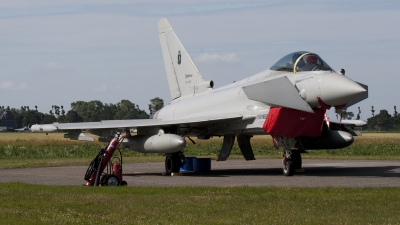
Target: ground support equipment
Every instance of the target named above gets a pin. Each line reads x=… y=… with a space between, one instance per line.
x=112 y=176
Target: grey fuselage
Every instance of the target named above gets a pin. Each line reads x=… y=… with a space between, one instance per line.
x=232 y=99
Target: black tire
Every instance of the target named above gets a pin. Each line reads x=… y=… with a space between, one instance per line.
x=288 y=168
x=296 y=158
x=172 y=163
x=112 y=181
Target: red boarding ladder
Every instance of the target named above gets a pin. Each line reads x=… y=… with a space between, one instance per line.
x=113 y=176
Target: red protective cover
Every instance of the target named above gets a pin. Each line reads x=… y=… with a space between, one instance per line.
x=294 y=123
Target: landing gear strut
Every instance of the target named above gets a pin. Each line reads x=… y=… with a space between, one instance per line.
x=174 y=162
x=291 y=158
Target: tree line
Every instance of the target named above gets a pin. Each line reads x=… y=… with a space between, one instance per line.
x=82 y=111
x=383 y=121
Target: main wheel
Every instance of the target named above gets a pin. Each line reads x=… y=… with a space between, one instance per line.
x=288 y=167
x=296 y=158
x=172 y=163
x=112 y=180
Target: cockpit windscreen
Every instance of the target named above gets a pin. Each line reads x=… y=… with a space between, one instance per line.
x=301 y=61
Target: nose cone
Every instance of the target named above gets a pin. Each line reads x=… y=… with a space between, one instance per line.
x=337 y=89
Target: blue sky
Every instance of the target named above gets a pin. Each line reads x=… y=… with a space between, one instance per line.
x=54 y=52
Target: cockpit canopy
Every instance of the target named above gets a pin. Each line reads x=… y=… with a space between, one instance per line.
x=301 y=61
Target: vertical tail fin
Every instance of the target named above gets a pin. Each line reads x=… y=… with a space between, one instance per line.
x=183 y=76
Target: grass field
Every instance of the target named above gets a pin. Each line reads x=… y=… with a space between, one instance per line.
x=19 y=150
x=39 y=204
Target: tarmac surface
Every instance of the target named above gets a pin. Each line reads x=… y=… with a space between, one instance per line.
x=234 y=172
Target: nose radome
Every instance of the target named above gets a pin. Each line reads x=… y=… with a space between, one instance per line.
x=337 y=89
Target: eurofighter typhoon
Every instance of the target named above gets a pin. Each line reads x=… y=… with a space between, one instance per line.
x=287 y=101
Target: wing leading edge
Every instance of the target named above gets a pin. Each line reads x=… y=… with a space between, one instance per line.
x=133 y=124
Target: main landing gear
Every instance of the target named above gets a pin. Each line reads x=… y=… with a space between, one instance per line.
x=291 y=158
x=174 y=162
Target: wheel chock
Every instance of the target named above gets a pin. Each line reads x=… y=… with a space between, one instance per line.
x=176 y=174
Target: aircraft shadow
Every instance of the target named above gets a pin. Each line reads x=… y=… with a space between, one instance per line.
x=376 y=171
x=379 y=171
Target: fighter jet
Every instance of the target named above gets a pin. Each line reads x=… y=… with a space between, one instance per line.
x=287 y=101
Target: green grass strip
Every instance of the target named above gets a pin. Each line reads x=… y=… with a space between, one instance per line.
x=39 y=204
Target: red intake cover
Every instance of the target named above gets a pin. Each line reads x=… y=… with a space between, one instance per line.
x=294 y=123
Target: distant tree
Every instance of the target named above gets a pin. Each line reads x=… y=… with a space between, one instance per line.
x=89 y=111
x=81 y=108
x=125 y=110
x=41 y=115
x=62 y=111
x=61 y=119
x=73 y=117
x=358 y=114
x=381 y=121
x=155 y=105
x=30 y=117
x=48 y=119
x=18 y=116
x=94 y=110
x=57 y=110
x=396 y=121
x=346 y=115
x=109 y=111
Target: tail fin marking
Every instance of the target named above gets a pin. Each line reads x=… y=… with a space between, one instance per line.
x=183 y=76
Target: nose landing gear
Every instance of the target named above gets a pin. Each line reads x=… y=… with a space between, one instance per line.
x=291 y=158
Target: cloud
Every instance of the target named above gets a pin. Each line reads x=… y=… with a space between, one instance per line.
x=9 y=85
x=216 y=58
x=102 y=87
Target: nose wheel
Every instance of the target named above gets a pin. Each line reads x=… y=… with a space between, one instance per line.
x=291 y=162
x=291 y=158
x=288 y=167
